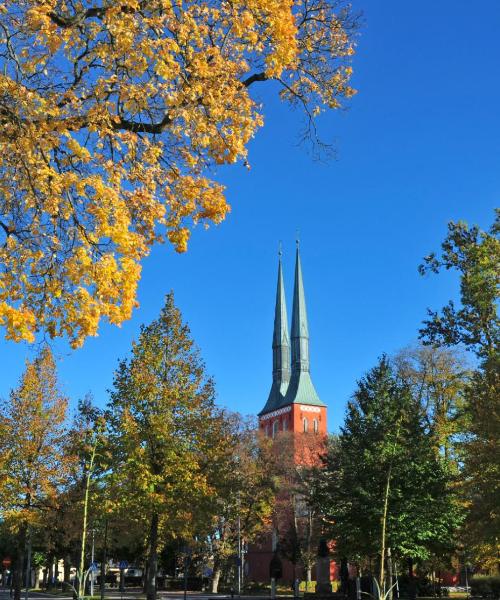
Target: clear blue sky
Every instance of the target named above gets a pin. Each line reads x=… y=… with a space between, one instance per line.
x=419 y=146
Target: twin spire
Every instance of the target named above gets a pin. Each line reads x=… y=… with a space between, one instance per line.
x=291 y=379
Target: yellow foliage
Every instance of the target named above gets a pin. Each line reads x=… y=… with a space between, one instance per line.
x=111 y=115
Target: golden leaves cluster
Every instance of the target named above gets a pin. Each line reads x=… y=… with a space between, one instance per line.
x=34 y=464
x=113 y=116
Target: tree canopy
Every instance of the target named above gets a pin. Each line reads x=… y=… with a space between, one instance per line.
x=475 y=325
x=475 y=255
x=112 y=117
x=383 y=485
x=35 y=463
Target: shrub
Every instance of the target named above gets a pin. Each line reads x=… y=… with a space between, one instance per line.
x=485 y=586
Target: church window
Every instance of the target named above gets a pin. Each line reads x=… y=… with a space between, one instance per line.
x=315 y=425
x=285 y=423
x=275 y=428
x=306 y=425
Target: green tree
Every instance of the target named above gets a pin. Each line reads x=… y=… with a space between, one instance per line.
x=482 y=465
x=383 y=485
x=162 y=421
x=475 y=255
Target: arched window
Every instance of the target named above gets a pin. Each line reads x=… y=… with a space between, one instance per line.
x=315 y=425
x=276 y=426
x=306 y=425
x=285 y=423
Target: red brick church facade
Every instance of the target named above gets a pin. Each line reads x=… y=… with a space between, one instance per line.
x=293 y=410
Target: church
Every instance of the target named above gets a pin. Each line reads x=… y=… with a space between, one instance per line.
x=293 y=408
x=293 y=403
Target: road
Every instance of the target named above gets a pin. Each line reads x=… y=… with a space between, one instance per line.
x=138 y=594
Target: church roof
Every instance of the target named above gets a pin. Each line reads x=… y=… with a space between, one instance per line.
x=281 y=348
x=301 y=390
x=300 y=327
x=275 y=398
x=297 y=388
x=280 y=332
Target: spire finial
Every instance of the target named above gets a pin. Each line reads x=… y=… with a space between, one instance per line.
x=297 y=239
x=280 y=249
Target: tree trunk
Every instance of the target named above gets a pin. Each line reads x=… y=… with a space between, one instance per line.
x=17 y=577
x=412 y=586
x=389 y=574
x=56 y=571
x=145 y=576
x=37 y=577
x=19 y=563
x=152 y=559
x=28 y=560
x=104 y=560
x=215 y=580
x=67 y=568
x=384 y=526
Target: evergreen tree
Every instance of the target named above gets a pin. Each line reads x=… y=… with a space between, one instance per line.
x=383 y=485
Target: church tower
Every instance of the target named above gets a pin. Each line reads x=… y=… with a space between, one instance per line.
x=292 y=406
x=293 y=403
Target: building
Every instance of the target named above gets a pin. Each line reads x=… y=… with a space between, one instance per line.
x=293 y=411
x=293 y=403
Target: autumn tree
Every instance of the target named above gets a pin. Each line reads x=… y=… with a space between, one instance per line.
x=162 y=425
x=437 y=378
x=34 y=463
x=113 y=116
x=240 y=504
x=384 y=486
x=475 y=325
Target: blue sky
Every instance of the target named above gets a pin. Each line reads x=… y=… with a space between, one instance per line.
x=419 y=146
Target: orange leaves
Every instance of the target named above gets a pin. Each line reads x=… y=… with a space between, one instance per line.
x=18 y=322
x=32 y=443
x=111 y=117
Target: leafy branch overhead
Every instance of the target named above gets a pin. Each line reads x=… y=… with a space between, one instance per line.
x=112 y=116
x=475 y=254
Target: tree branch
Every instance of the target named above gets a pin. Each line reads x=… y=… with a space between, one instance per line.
x=253 y=78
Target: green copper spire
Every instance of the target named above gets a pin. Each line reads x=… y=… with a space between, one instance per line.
x=300 y=329
x=281 y=344
x=300 y=389
x=281 y=348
